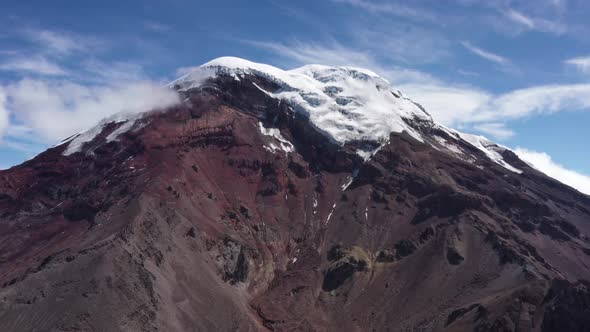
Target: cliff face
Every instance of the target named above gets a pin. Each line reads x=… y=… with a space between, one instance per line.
x=234 y=211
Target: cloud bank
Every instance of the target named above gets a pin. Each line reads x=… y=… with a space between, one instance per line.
x=55 y=110
x=65 y=89
x=543 y=162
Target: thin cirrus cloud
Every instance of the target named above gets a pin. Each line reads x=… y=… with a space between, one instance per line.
x=49 y=49
x=582 y=63
x=520 y=18
x=487 y=55
x=537 y=24
x=404 y=43
x=4 y=120
x=336 y=54
x=61 y=43
x=38 y=65
x=157 y=27
x=391 y=8
x=495 y=129
x=309 y=53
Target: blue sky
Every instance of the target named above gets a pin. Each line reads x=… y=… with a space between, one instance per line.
x=515 y=71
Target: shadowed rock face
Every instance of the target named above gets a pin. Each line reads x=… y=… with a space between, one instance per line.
x=192 y=222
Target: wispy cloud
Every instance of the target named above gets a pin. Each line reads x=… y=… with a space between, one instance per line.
x=495 y=129
x=582 y=63
x=157 y=27
x=544 y=163
x=9 y=52
x=543 y=99
x=335 y=54
x=520 y=18
x=29 y=149
x=60 y=42
x=115 y=71
x=69 y=89
x=538 y=24
x=485 y=54
x=48 y=52
x=55 y=110
x=404 y=43
x=4 y=119
x=391 y=8
x=469 y=106
x=450 y=103
x=33 y=65
x=308 y=53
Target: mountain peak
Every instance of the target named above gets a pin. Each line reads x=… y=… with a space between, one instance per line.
x=348 y=104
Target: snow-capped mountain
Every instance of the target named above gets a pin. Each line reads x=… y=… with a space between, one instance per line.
x=315 y=199
x=347 y=104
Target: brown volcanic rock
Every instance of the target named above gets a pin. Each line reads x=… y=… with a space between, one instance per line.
x=190 y=223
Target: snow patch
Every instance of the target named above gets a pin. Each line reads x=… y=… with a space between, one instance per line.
x=282 y=143
x=449 y=146
x=76 y=142
x=331 y=212
x=491 y=149
x=347 y=183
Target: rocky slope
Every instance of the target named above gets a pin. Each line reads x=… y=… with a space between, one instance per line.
x=319 y=199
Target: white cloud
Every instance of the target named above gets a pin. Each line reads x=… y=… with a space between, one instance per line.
x=396 y=9
x=582 y=63
x=309 y=53
x=29 y=149
x=495 y=129
x=545 y=164
x=56 y=42
x=538 y=24
x=337 y=55
x=485 y=54
x=56 y=102
x=61 y=43
x=462 y=105
x=520 y=18
x=55 y=110
x=4 y=119
x=544 y=99
x=157 y=27
x=451 y=105
x=404 y=43
x=36 y=65
x=113 y=71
